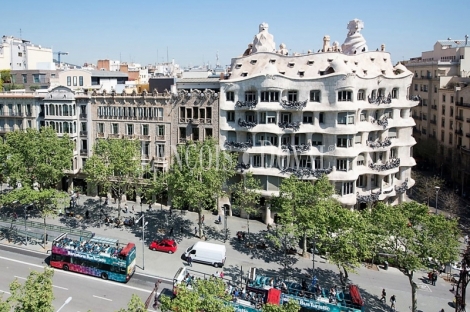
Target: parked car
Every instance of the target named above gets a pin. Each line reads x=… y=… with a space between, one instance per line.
x=165 y=245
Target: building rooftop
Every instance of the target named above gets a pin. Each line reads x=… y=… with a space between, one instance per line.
x=107 y=74
x=454 y=43
x=197 y=80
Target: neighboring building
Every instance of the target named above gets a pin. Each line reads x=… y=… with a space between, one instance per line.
x=32 y=79
x=344 y=112
x=440 y=77
x=18 y=111
x=19 y=54
x=100 y=80
x=108 y=65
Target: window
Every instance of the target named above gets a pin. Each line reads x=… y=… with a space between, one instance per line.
x=363 y=116
x=208 y=132
x=442 y=136
x=145 y=129
x=443 y=98
x=425 y=88
x=250 y=96
x=230 y=96
x=344 y=96
x=392 y=133
x=361 y=181
x=230 y=116
x=69 y=81
x=80 y=81
x=159 y=113
x=315 y=96
x=388 y=113
x=308 y=118
x=443 y=122
x=270 y=96
x=36 y=78
x=74 y=80
x=358 y=138
x=114 y=128
x=25 y=78
x=130 y=129
x=395 y=93
x=321 y=117
x=348 y=188
x=286 y=117
x=160 y=150
x=443 y=110
x=317 y=139
x=292 y=96
x=452 y=99
x=346 y=118
x=360 y=160
x=257 y=161
x=343 y=164
x=450 y=138
x=100 y=127
x=435 y=89
x=161 y=130
x=343 y=141
x=451 y=125
x=416 y=87
x=451 y=112
x=361 y=95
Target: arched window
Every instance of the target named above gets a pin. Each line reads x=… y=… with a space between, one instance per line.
x=51 y=110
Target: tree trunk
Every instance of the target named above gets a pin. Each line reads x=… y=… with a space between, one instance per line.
x=414 y=300
x=199 y=214
x=248 y=228
x=119 y=207
x=304 y=245
x=346 y=276
x=45 y=233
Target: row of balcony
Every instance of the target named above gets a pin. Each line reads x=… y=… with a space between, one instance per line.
x=196 y=120
x=15 y=114
x=129 y=136
x=159 y=118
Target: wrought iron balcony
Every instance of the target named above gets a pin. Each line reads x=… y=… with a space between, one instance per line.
x=247 y=104
x=433 y=121
x=415 y=98
x=303 y=173
x=83 y=152
x=434 y=107
x=459 y=132
x=380 y=100
x=382 y=122
x=378 y=144
x=459 y=117
x=238 y=145
x=83 y=133
x=295 y=126
x=246 y=124
x=100 y=134
x=293 y=104
x=302 y=148
x=83 y=116
x=402 y=189
x=242 y=166
x=392 y=163
x=373 y=197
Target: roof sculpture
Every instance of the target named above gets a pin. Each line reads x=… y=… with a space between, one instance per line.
x=355 y=42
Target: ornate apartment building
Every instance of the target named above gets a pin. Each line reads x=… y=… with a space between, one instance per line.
x=343 y=111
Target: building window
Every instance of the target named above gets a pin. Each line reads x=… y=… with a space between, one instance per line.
x=361 y=181
x=308 y=118
x=80 y=81
x=315 y=96
x=145 y=129
x=363 y=116
x=450 y=138
x=360 y=160
x=452 y=99
x=416 y=87
x=442 y=136
x=69 y=81
x=361 y=95
x=348 y=188
x=208 y=133
x=344 y=96
x=451 y=112
x=36 y=78
x=317 y=139
x=25 y=78
x=395 y=93
x=159 y=113
x=160 y=150
x=443 y=110
x=230 y=116
x=75 y=80
x=160 y=130
x=270 y=96
x=346 y=118
x=292 y=96
x=229 y=96
x=343 y=141
x=444 y=98
x=250 y=96
x=100 y=127
x=130 y=129
x=321 y=117
x=435 y=89
x=343 y=164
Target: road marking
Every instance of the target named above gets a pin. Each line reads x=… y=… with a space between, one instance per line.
x=102 y=298
x=23 y=278
x=85 y=276
x=5 y=292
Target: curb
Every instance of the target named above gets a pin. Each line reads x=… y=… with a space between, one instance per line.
x=12 y=245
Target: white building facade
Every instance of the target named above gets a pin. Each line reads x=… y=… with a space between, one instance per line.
x=344 y=114
x=19 y=54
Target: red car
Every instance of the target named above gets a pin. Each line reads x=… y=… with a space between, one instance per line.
x=165 y=245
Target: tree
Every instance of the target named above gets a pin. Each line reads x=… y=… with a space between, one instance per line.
x=35 y=295
x=157 y=185
x=115 y=165
x=246 y=195
x=290 y=306
x=5 y=77
x=426 y=185
x=301 y=203
x=134 y=305
x=198 y=174
x=412 y=236
x=204 y=295
x=37 y=158
x=47 y=201
x=450 y=202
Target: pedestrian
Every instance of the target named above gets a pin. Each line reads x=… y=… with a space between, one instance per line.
x=434 y=277
x=195 y=231
x=221 y=274
x=150 y=206
x=220 y=219
x=393 y=300
x=384 y=296
x=106 y=201
x=125 y=208
x=171 y=231
x=189 y=260
x=133 y=210
x=466 y=239
x=202 y=219
x=171 y=210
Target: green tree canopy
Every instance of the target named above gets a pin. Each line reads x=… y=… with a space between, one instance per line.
x=116 y=166
x=134 y=305
x=412 y=236
x=36 y=158
x=290 y=306
x=198 y=174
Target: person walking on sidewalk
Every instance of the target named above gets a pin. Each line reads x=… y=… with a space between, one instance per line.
x=195 y=231
x=434 y=277
x=133 y=210
x=393 y=300
x=171 y=232
x=189 y=260
x=384 y=296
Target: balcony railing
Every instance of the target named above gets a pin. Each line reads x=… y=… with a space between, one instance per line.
x=238 y=145
x=182 y=140
x=246 y=124
x=392 y=163
x=467 y=135
x=402 y=189
x=462 y=104
x=144 y=137
x=373 y=197
x=459 y=132
x=459 y=117
x=284 y=125
x=380 y=99
x=378 y=144
x=303 y=173
x=433 y=121
x=468 y=119
x=160 y=138
x=83 y=116
x=11 y=129
x=242 y=167
x=298 y=105
x=130 y=136
x=415 y=98
x=83 y=133
x=302 y=148
x=100 y=135
x=248 y=104
x=382 y=122
x=434 y=107
x=83 y=152
x=114 y=136
x=145 y=156
x=160 y=159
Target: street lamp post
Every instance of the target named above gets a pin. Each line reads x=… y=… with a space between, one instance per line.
x=25 y=211
x=437 y=192
x=226 y=209
x=65 y=303
x=313 y=256
x=143 y=239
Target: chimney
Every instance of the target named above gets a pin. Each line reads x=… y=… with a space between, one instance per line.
x=222 y=75
x=326 y=43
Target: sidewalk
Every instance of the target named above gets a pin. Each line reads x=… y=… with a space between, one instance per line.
x=239 y=257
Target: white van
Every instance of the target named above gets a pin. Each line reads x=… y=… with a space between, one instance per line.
x=207 y=253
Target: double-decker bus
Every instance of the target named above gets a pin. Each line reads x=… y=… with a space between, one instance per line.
x=98 y=256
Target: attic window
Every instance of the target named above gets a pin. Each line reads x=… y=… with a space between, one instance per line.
x=282 y=73
x=290 y=64
x=244 y=74
x=385 y=59
x=310 y=62
x=253 y=62
x=353 y=71
x=383 y=72
x=355 y=63
x=372 y=59
x=365 y=72
x=330 y=60
x=272 y=61
x=301 y=73
x=345 y=61
x=238 y=66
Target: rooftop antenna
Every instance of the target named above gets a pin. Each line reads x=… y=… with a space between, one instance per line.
x=21 y=34
x=466 y=39
x=217 y=59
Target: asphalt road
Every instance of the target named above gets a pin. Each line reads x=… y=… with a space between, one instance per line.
x=88 y=293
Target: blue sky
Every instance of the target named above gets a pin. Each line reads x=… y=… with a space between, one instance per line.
x=193 y=31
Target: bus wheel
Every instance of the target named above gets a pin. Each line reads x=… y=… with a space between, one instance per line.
x=65 y=267
x=104 y=276
x=216 y=265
